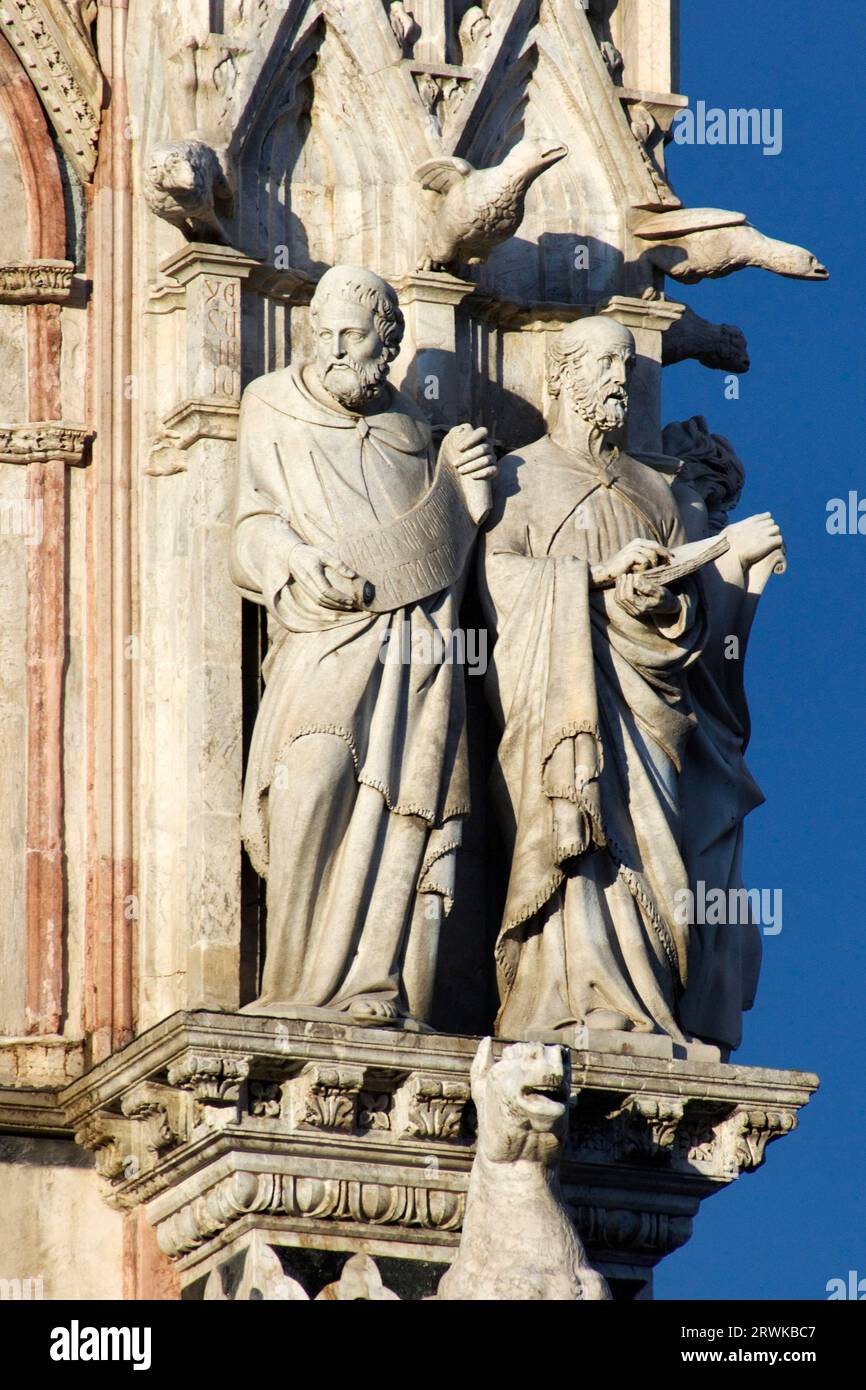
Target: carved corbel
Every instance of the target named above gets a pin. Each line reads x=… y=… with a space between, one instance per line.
x=162 y=1112
x=217 y=1085
x=650 y=1124
x=426 y=1107
x=325 y=1097
x=753 y=1130
x=111 y=1138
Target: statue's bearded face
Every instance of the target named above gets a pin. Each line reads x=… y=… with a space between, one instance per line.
x=351 y=359
x=596 y=385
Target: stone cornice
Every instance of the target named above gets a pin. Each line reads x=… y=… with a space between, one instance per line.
x=44 y=441
x=208 y=1117
x=272 y=1040
x=64 y=71
x=33 y=1071
x=550 y=316
x=35 y=282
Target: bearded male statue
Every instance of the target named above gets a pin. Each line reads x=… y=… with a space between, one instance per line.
x=592 y=590
x=352 y=532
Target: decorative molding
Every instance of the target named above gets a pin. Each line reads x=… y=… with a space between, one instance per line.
x=316 y=1131
x=326 y=1199
x=35 y=282
x=44 y=441
x=325 y=1097
x=754 y=1130
x=427 y=1107
x=432 y=287
x=63 y=68
x=657 y=315
x=551 y=316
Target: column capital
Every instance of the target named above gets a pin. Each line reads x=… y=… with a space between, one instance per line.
x=44 y=441
x=35 y=281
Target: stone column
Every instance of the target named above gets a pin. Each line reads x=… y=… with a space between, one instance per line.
x=202 y=429
x=47 y=448
x=428 y=362
x=647 y=34
x=436 y=21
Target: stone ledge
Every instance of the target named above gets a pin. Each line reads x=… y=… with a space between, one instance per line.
x=216 y=1121
x=33 y=1072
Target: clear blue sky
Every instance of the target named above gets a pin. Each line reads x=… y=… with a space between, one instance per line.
x=798 y=425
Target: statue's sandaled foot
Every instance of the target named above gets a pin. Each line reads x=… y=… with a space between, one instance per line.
x=367 y=1009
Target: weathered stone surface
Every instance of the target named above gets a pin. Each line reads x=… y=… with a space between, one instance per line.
x=519 y=1242
x=140 y=294
x=221 y=1124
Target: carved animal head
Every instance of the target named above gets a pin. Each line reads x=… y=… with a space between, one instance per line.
x=522 y=1101
x=187 y=171
x=531 y=157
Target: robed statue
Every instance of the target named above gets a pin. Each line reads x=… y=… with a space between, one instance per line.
x=355 y=533
x=594 y=593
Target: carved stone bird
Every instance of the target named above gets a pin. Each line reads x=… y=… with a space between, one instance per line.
x=720 y=346
x=184 y=183
x=692 y=244
x=477 y=209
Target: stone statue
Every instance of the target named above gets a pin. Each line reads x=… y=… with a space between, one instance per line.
x=355 y=537
x=589 y=586
x=519 y=1242
x=717 y=790
x=693 y=244
x=185 y=184
x=475 y=210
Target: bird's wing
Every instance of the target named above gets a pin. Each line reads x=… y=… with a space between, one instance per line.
x=662 y=226
x=441 y=174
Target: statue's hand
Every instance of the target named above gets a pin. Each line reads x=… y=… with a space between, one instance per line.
x=326 y=581
x=754 y=538
x=469 y=452
x=640 y=596
x=637 y=555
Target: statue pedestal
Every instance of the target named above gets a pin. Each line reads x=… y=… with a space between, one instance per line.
x=265 y=1151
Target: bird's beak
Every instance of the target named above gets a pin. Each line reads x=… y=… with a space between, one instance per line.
x=552 y=154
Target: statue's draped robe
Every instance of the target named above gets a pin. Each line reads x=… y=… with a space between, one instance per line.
x=717 y=792
x=595 y=725
x=357 y=779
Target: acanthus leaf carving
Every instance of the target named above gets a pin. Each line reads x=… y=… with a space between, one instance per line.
x=325 y=1097
x=756 y=1128
x=44 y=441
x=429 y=1108
x=35 y=282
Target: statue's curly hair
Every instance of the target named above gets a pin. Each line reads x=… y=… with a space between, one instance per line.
x=377 y=296
x=558 y=358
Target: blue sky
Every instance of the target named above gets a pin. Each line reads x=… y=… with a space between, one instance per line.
x=798 y=426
